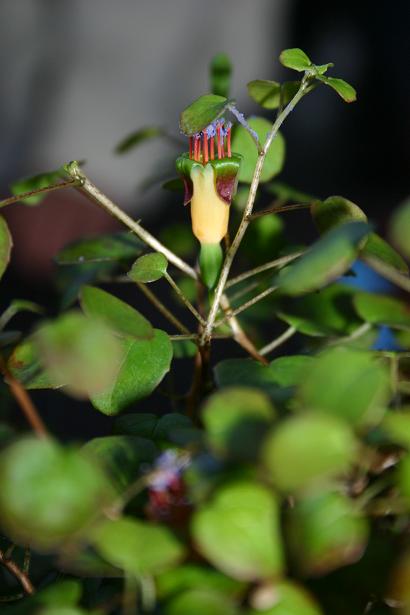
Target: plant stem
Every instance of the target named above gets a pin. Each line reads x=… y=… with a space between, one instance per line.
x=278 y=262
x=19 y=197
x=230 y=255
x=278 y=341
x=388 y=272
x=239 y=334
x=184 y=299
x=24 y=401
x=161 y=308
x=278 y=209
x=84 y=185
x=247 y=304
x=19 y=574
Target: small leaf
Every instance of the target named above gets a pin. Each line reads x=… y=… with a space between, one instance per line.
x=6 y=243
x=344 y=89
x=347 y=383
x=321 y=69
x=69 y=492
x=201 y=602
x=265 y=93
x=36 y=182
x=220 y=74
x=236 y=421
x=296 y=59
x=26 y=366
x=152 y=426
x=193 y=576
x=117 y=315
x=149 y=268
x=325 y=261
x=137 y=547
x=139 y=136
x=378 y=248
x=243 y=144
x=400 y=228
x=326 y=531
x=306 y=449
x=396 y=425
x=382 y=310
x=238 y=531
x=202 y=112
x=287 y=598
x=114 y=247
x=335 y=210
x=143 y=365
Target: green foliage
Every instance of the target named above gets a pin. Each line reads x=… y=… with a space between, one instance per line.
x=114 y=247
x=220 y=74
x=287 y=597
x=6 y=244
x=149 y=268
x=202 y=112
x=295 y=59
x=36 y=183
x=400 y=228
x=137 y=138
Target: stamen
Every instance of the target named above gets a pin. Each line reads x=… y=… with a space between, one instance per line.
x=205 y=147
x=212 y=148
x=218 y=136
x=196 y=148
x=190 y=147
x=228 y=142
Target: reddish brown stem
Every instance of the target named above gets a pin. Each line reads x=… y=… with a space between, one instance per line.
x=19 y=574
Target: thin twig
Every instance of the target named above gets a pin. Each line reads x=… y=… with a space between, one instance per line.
x=163 y=309
x=278 y=209
x=17 y=572
x=281 y=339
x=238 y=333
x=24 y=401
x=184 y=299
x=246 y=305
x=356 y=334
x=230 y=255
x=388 y=272
x=278 y=262
x=24 y=195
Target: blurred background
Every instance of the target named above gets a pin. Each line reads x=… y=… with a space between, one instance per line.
x=76 y=77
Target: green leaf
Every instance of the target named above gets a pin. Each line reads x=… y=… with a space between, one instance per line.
x=143 y=365
x=326 y=531
x=79 y=351
x=238 y=531
x=201 y=602
x=382 y=310
x=6 y=243
x=26 y=366
x=139 y=136
x=137 y=547
x=243 y=144
x=149 y=268
x=325 y=261
x=335 y=210
x=47 y=493
x=378 y=248
x=403 y=477
x=192 y=576
x=236 y=421
x=287 y=598
x=184 y=349
x=296 y=59
x=344 y=89
x=321 y=69
x=286 y=193
x=202 y=112
x=265 y=93
x=307 y=449
x=220 y=74
x=121 y=457
x=396 y=425
x=114 y=247
x=347 y=383
x=16 y=306
x=36 y=182
x=400 y=228
x=117 y=315
x=58 y=598
x=151 y=426
x=179 y=238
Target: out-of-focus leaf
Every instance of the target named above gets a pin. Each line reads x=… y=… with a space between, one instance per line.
x=174 y=185
x=382 y=310
x=192 y=576
x=179 y=239
x=296 y=59
x=220 y=71
x=25 y=365
x=335 y=210
x=79 y=351
x=400 y=228
x=202 y=112
x=121 y=246
x=378 y=248
x=138 y=137
x=344 y=89
x=47 y=493
x=396 y=425
x=307 y=449
x=16 y=306
x=238 y=531
x=136 y=546
x=143 y=365
x=286 y=193
x=265 y=93
x=236 y=420
x=151 y=426
x=287 y=598
x=117 y=315
x=36 y=182
x=184 y=349
x=347 y=383
x=201 y=602
x=243 y=144
x=6 y=243
x=60 y=598
x=149 y=268
x=326 y=531
x=325 y=261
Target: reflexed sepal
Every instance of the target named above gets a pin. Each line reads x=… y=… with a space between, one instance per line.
x=210 y=263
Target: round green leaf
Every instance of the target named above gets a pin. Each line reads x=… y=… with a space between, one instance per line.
x=347 y=383
x=296 y=59
x=136 y=546
x=243 y=144
x=382 y=310
x=335 y=210
x=149 y=268
x=117 y=315
x=344 y=89
x=396 y=425
x=37 y=182
x=265 y=93
x=47 y=494
x=325 y=261
x=287 y=598
x=6 y=244
x=25 y=365
x=193 y=576
x=236 y=420
x=202 y=112
x=142 y=366
x=305 y=449
x=201 y=602
x=400 y=228
x=326 y=531
x=238 y=531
